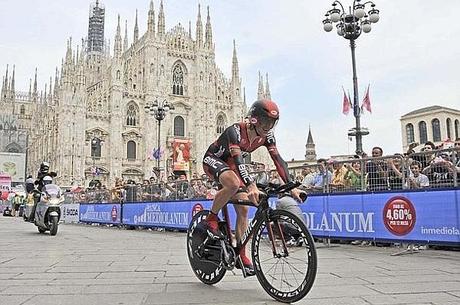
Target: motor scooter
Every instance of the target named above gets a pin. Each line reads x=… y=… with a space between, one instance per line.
x=48 y=211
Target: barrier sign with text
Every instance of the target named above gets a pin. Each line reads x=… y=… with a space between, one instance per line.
x=70 y=213
x=101 y=213
x=417 y=216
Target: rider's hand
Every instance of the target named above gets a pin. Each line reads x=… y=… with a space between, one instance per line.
x=295 y=193
x=253 y=193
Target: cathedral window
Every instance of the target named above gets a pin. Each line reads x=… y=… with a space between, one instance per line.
x=22 y=111
x=179 y=126
x=118 y=74
x=96 y=148
x=178 y=80
x=220 y=124
x=132 y=114
x=131 y=150
x=152 y=68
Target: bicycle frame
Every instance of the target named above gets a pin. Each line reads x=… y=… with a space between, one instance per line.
x=262 y=215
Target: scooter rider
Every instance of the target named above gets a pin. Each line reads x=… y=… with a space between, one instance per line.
x=44 y=176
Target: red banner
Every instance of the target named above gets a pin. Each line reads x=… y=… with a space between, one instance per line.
x=181 y=154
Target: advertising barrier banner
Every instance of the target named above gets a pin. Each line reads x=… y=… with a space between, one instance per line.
x=101 y=213
x=416 y=216
x=428 y=216
x=70 y=213
x=170 y=214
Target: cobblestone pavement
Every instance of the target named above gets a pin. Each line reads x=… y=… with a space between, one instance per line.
x=105 y=265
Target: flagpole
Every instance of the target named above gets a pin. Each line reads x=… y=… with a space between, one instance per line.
x=356 y=110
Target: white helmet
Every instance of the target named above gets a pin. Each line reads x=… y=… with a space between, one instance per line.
x=47 y=180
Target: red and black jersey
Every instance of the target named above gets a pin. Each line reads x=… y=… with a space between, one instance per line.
x=236 y=136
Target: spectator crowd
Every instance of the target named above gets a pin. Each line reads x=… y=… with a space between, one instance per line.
x=430 y=168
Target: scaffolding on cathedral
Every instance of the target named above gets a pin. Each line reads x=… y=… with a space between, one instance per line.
x=96 y=28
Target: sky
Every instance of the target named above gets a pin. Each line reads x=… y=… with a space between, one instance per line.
x=410 y=59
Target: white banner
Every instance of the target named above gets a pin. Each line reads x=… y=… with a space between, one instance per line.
x=14 y=165
x=70 y=213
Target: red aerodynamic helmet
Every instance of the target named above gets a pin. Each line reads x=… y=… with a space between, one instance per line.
x=264 y=112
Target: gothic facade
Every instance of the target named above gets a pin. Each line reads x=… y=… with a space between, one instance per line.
x=92 y=123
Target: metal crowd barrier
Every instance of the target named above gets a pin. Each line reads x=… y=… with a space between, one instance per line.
x=396 y=172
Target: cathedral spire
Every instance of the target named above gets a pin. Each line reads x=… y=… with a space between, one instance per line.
x=30 y=88
x=267 y=89
x=5 y=87
x=310 y=152
x=35 y=85
x=235 y=67
x=208 y=35
x=12 y=93
x=117 y=46
x=151 y=20
x=260 y=90
x=161 y=20
x=189 y=29
x=125 y=41
x=199 y=28
x=50 y=94
x=68 y=55
x=136 y=30
x=56 y=82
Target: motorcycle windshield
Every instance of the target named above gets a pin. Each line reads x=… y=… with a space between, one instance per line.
x=52 y=190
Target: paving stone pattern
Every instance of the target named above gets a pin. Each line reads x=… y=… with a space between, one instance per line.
x=98 y=265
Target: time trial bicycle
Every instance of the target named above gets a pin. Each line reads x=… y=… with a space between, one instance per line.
x=282 y=250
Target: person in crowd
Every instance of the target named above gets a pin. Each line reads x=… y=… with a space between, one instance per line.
x=260 y=175
x=274 y=178
x=308 y=174
x=182 y=187
x=199 y=189
x=353 y=175
x=376 y=170
x=322 y=178
x=339 y=172
x=416 y=178
x=441 y=170
x=426 y=154
x=396 y=172
x=211 y=190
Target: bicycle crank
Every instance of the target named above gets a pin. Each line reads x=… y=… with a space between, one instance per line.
x=227 y=255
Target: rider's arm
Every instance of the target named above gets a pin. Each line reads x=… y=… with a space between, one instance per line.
x=234 y=138
x=280 y=164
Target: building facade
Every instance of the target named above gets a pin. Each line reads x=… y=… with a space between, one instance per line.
x=435 y=123
x=92 y=124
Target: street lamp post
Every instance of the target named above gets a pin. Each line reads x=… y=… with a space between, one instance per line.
x=350 y=25
x=158 y=110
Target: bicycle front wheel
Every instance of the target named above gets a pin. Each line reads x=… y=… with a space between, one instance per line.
x=286 y=270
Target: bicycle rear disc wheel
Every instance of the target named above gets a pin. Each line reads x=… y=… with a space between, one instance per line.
x=285 y=277
x=208 y=268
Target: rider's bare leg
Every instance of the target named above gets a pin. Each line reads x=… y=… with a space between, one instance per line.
x=241 y=219
x=230 y=185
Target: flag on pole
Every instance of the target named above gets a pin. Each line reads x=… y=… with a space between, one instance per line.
x=346 y=105
x=155 y=154
x=366 y=101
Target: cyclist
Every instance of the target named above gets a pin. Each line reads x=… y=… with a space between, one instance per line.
x=223 y=162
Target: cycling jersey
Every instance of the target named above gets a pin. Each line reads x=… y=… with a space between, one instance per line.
x=221 y=155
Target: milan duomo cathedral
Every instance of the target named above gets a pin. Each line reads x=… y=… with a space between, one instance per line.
x=89 y=121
